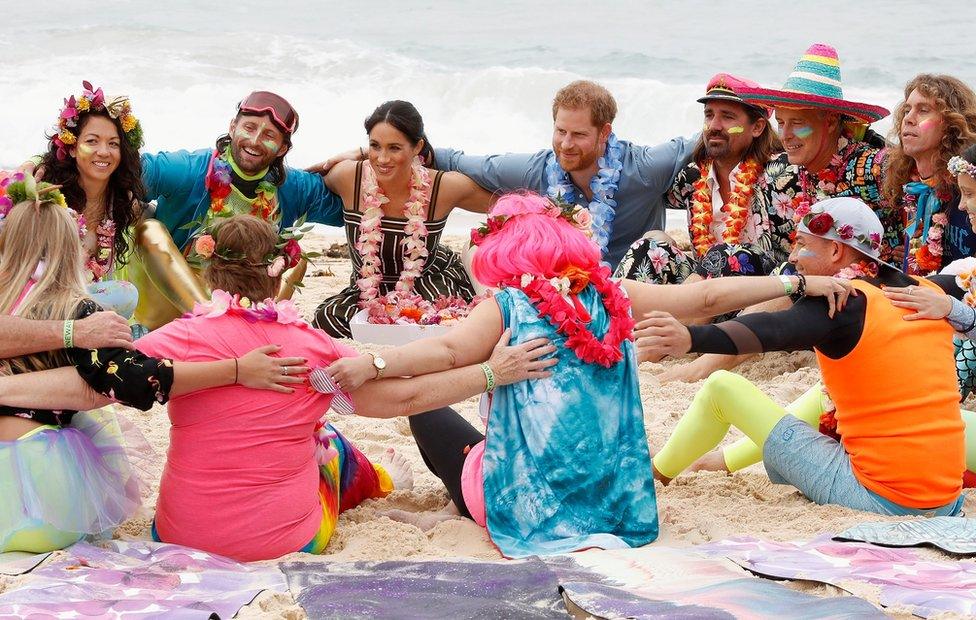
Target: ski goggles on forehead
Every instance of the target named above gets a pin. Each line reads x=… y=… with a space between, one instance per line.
x=280 y=111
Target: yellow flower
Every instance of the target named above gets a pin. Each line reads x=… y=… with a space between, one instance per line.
x=83 y=104
x=245 y=302
x=67 y=137
x=129 y=123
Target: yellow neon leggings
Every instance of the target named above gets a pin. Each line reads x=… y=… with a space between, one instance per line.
x=726 y=399
x=808 y=408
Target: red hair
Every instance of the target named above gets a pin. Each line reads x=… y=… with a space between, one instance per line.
x=531 y=241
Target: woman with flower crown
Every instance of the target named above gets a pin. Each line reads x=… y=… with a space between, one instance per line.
x=93 y=154
x=63 y=474
x=565 y=463
x=395 y=210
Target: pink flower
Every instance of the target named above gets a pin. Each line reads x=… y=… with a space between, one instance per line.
x=845 y=232
x=276 y=267
x=582 y=218
x=940 y=218
x=476 y=237
x=288 y=312
x=659 y=259
x=802 y=209
x=875 y=240
x=204 y=246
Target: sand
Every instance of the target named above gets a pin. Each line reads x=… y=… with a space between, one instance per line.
x=694 y=509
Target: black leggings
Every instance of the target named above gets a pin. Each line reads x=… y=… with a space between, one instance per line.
x=444 y=438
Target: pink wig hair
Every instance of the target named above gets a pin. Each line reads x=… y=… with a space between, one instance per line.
x=531 y=241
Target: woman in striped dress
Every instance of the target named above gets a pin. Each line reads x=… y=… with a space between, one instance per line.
x=395 y=210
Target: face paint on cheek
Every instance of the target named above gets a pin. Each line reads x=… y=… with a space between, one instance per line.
x=803 y=132
x=927 y=124
x=736 y=129
x=243 y=134
x=805 y=253
x=270 y=145
x=85 y=149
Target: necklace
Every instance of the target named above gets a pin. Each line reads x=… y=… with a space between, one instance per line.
x=370 y=234
x=737 y=208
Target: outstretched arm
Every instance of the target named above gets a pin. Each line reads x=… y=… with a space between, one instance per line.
x=465 y=193
x=708 y=298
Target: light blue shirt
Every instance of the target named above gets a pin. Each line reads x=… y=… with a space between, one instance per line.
x=647 y=175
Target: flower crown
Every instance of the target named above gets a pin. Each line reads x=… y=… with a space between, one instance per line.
x=93 y=100
x=576 y=215
x=19 y=187
x=820 y=224
x=286 y=254
x=958 y=165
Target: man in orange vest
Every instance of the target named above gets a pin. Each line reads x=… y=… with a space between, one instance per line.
x=902 y=445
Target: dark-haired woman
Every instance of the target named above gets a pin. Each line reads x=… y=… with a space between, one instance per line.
x=395 y=209
x=94 y=157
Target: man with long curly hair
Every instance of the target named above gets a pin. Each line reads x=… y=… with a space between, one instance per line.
x=936 y=121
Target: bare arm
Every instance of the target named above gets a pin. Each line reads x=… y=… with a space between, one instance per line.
x=63 y=388
x=708 y=298
x=100 y=330
x=340 y=180
x=465 y=193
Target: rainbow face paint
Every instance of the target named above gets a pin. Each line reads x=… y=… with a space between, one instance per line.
x=803 y=132
x=270 y=145
x=736 y=129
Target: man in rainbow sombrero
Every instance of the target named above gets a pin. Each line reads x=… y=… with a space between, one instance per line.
x=738 y=192
x=827 y=136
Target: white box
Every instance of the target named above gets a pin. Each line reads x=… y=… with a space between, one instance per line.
x=364 y=331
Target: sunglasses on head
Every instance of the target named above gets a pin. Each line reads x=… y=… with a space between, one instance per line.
x=281 y=113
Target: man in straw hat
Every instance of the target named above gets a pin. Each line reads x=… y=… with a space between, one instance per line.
x=734 y=224
x=903 y=441
x=827 y=136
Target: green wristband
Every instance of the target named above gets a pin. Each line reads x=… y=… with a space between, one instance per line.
x=787 y=284
x=68 y=334
x=489 y=377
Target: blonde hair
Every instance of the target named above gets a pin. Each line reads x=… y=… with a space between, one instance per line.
x=46 y=232
x=586 y=95
x=250 y=241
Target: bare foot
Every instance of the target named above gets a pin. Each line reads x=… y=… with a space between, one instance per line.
x=684 y=373
x=659 y=476
x=399 y=469
x=423 y=520
x=713 y=461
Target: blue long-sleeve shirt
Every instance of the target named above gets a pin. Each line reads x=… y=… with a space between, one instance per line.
x=176 y=181
x=647 y=175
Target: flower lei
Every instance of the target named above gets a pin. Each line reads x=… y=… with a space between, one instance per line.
x=822 y=185
x=396 y=308
x=221 y=302
x=967 y=282
x=737 y=209
x=924 y=251
x=828 y=418
x=219 y=183
x=93 y=100
x=570 y=318
x=100 y=263
x=603 y=185
x=370 y=235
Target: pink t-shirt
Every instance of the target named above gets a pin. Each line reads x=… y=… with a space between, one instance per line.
x=241 y=478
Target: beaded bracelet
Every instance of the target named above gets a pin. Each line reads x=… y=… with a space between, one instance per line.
x=801 y=287
x=489 y=377
x=68 y=334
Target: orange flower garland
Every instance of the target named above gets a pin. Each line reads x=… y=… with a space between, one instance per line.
x=736 y=209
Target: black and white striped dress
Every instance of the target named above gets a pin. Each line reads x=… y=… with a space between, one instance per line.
x=443 y=272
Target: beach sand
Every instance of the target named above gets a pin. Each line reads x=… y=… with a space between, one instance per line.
x=694 y=509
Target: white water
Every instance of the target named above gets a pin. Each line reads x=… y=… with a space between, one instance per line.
x=482 y=74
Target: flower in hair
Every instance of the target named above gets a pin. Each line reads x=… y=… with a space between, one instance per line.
x=959 y=165
x=204 y=246
x=276 y=267
x=576 y=215
x=93 y=100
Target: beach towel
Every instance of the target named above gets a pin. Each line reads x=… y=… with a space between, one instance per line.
x=432 y=589
x=566 y=463
x=953 y=534
x=20 y=562
x=134 y=580
x=900 y=577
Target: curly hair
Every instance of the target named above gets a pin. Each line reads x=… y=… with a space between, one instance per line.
x=125 y=186
x=957 y=104
x=252 y=239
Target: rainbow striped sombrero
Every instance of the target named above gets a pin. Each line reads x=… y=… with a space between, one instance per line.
x=814 y=84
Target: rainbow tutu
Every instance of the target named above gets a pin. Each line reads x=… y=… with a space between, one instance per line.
x=60 y=484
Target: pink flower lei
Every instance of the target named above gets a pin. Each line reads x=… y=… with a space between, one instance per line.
x=370 y=235
x=100 y=263
x=570 y=318
x=222 y=302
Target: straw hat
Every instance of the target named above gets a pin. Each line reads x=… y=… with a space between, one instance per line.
x=814 y=84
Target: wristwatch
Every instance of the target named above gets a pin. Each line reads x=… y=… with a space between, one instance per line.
x=379 y=364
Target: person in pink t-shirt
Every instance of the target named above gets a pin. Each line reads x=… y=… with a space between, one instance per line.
x=252 y=474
